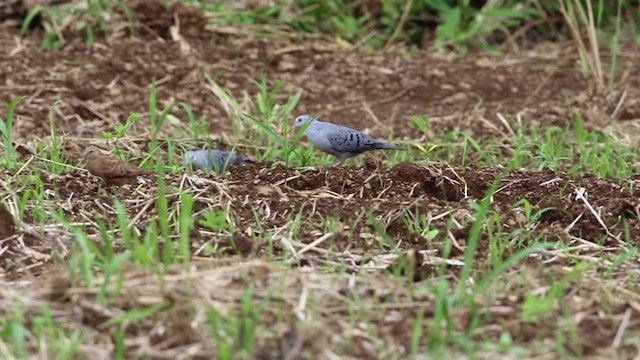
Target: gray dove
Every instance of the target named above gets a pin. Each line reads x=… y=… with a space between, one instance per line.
x=212 y=159
x=339 y=141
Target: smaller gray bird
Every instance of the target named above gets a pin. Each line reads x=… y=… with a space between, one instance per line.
x=212 y=159
x=339 y=141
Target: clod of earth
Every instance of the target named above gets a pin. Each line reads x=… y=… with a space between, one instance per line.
x=7 y=225
x=114 y=172
x=339 y=141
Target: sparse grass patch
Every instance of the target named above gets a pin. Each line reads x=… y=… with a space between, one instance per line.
x=6 y=128
x=157 y=235
x=460 y=25
x=572 y=149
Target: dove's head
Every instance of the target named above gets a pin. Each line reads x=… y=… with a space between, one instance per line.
x=91 y=152
x=302 y=120
x=190 y=156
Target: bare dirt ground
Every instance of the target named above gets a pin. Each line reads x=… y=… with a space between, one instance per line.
x=94 y=83
x=100 y=86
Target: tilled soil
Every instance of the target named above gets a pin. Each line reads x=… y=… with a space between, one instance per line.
x=379 y=93
x=275 y=195
x=358 y=199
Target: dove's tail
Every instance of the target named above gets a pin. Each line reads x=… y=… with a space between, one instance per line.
x=386 y=146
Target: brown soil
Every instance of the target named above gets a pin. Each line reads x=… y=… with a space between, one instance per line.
x=7 y=225
x=94 y=83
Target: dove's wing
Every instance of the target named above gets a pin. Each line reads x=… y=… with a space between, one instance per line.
x=198 y=159
x=213 y=159
x=104 y=167
x=221 y=158
x=224 y=158
x=131 y=170
x=341 y=141
x=345 y=140
x=109 y=168
x=206 y=159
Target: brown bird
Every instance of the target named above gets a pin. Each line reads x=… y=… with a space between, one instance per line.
x=114 y=172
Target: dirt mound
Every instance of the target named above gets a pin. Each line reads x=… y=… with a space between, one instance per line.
x=7 y=224
x=11 y=11
x=342 y=192
x=157 y=16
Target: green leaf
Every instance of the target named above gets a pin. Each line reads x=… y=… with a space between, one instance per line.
x=266 y=129
x=29 y=18
x=136 y=315
x=451 y=25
